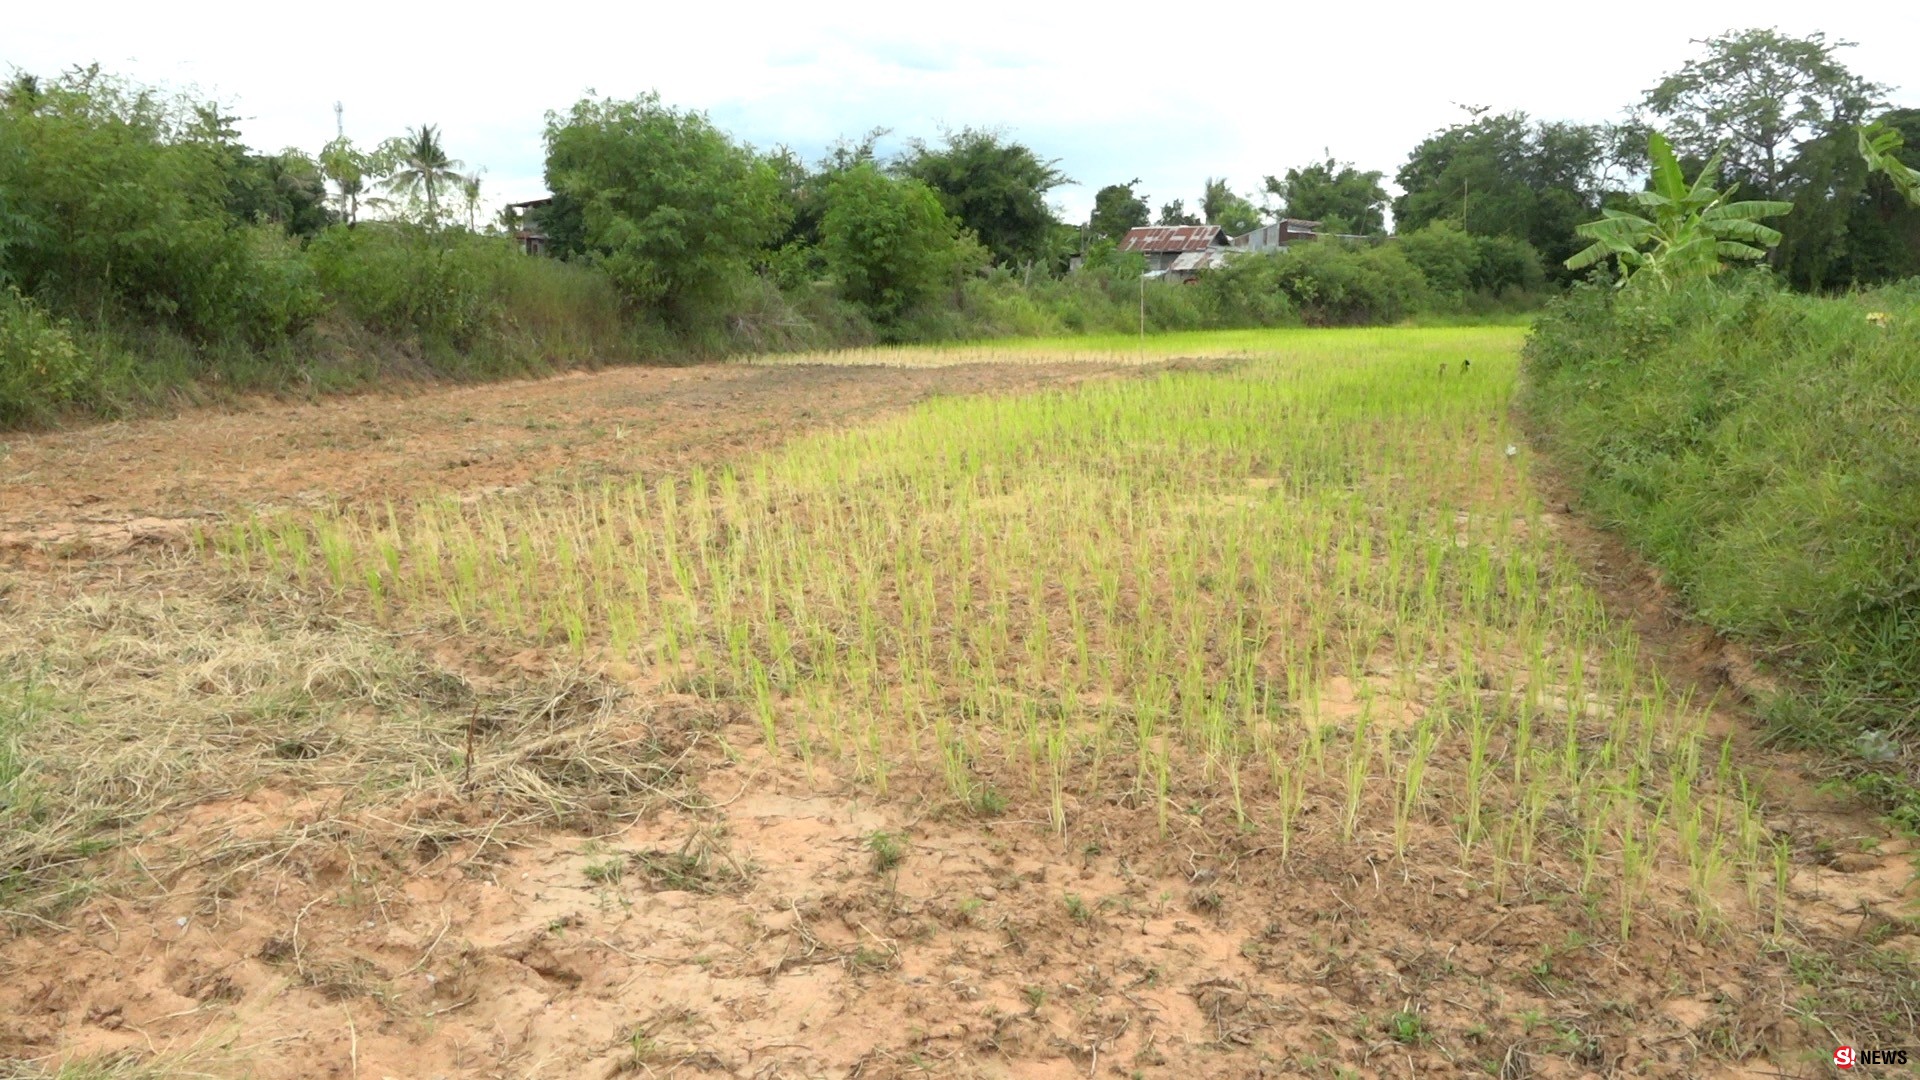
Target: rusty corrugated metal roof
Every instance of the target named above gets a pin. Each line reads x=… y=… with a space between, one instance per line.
x=1158 y=238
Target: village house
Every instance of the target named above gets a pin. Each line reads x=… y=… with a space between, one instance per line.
x=1276 y=236
x=529 y=235
x=1178 y=251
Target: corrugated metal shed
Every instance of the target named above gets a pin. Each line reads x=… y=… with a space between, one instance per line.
x=1191 y=261
x=1165 y=238
x=1277 y=235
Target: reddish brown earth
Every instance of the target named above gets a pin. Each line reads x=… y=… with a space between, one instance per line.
x=377 y=446
x=300 y=919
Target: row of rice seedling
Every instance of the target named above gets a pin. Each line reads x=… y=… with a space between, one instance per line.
x=1321 y=575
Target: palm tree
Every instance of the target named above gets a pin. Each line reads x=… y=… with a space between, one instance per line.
x=347 y=167
x=422 y=167
x=470 y=194
x=1691 y=230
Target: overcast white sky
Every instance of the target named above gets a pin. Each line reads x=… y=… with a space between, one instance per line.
x=1164 y=92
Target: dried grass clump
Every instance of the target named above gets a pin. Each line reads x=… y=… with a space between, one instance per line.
x=117 y=708
x=123 y=1066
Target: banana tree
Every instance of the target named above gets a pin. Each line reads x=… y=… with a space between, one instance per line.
x=1688 y=229
x=1880 y=146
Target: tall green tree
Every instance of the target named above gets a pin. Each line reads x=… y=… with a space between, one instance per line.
x=1341 y=198
x=673 y=209
x=804 y=187
x=994 y=187
x=421 y=170
x=118 y=201
x=1850 y=225
x=288 y=189
x=347 y=167
x=1505 y=175
x=1174 y=212
x=1753 y=96
x=470 y=199
x=1221 y=206
x=888 y=243
x=1116 y=209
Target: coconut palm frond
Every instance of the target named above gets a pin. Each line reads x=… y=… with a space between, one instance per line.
x=422 y=168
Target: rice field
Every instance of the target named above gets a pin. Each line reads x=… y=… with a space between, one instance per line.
x=1130 y=349
x=1307 y=596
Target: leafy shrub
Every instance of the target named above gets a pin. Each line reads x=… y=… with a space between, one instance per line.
x=669 y=206
x=1763 y=449
x=1506 y=264
x=1105 y=261
x=1446 y=256
x=409 y=281
x=118 y=197
x=281 y=293
x=1246 y=292
x=40 y=366
x=1465 y=272
x=889 y=243
x=1172 y=305
x=1337 y=284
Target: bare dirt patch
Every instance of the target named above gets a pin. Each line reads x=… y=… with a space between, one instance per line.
x=753 y=932
x=750 y=926
x=112 y=484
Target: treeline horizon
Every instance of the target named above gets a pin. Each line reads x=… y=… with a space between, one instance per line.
x=145 y=249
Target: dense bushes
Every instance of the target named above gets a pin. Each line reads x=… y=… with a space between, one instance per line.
x=1764 y=449
x=1248 y=292
x=473 y=304
x=127 y=225
x=147 y=253
x=890 y=245
x=116 y=204
x=142 y=248
x=1460 y=268
x=1337 y=284
x=670 y=207
x=40 y=366
x=408 y=281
